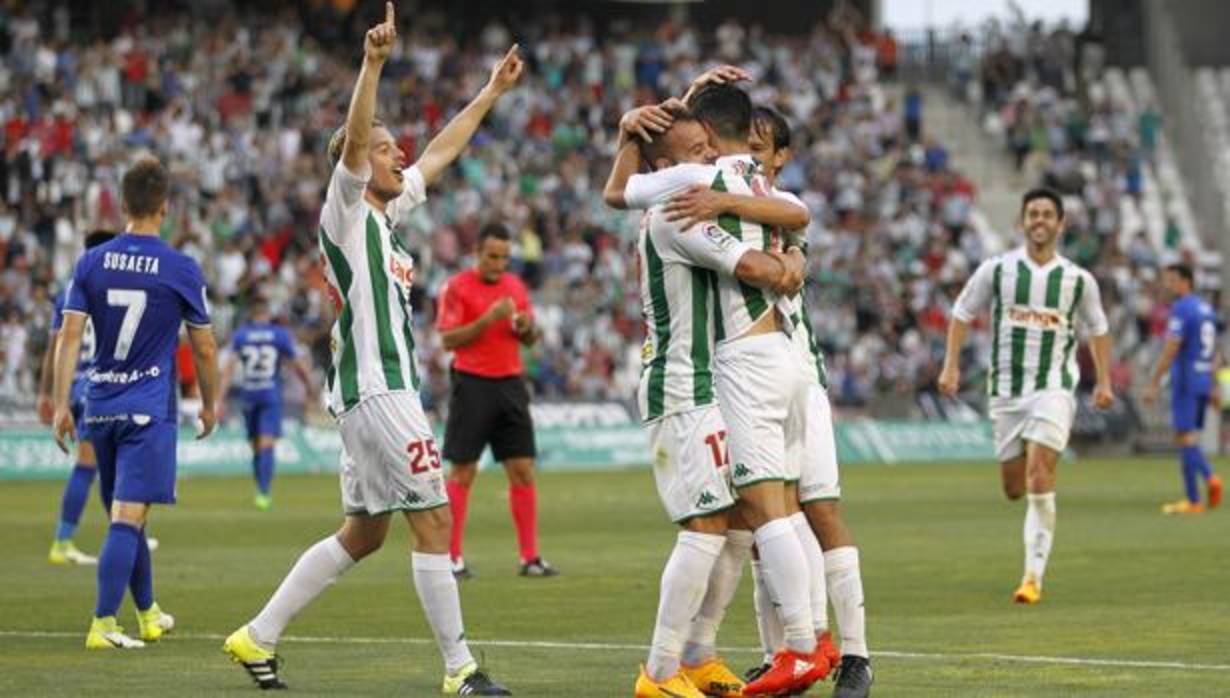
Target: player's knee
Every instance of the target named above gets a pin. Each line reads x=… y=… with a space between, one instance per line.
x=463 y=473
x=715 y=524
x=432 y=529
x=1013 y=491
x=521 y=474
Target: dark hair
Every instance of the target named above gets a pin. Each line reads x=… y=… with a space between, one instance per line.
x=338 y=140
x=725 y=108
x=768 y=120
x=1184 y=271
x=651 y=152
x=259 y=305
x=97 y=237
x=1043 y=193
x=145 y=187
x=494 y=230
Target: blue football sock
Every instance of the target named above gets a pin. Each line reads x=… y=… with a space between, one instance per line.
x=76 y=492
x=1191 y=469
x=1202 y=464
x=264 y=469
x=115 y=564
x=141 y=583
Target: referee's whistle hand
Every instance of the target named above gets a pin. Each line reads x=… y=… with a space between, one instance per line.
x=501 y=309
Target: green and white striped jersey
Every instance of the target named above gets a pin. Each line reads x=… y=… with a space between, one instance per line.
x=804 y=339
x=1034 y=314
x=679 y=272
x=739 y=305
x=369 y=272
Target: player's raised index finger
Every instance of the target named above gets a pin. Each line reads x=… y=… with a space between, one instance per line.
x=388 y=13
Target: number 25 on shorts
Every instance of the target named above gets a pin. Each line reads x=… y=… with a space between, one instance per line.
x=423 y=456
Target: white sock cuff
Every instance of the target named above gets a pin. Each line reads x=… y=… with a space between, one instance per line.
x=1044 y=498
x=337 y=551
x=704 y=542
x=739 y=538
x=429 y=562
x=843 y=558
x=774 y=529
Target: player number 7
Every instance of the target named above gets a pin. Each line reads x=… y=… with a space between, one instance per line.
x=133 y=302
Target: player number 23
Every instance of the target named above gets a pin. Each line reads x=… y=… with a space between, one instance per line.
x=423 y=456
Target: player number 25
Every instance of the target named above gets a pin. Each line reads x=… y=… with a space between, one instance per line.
x=421 y=451
x=133 y=303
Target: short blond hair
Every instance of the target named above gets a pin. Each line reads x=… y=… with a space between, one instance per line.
x=338 y=141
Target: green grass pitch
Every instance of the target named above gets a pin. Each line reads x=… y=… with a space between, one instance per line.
x=941 y=554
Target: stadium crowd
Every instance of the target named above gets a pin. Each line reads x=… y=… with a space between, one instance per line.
x=241 y=108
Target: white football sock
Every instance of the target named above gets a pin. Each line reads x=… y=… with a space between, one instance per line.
x=1039 y=534
x=815 y=563
x=684 y=581
x=723 y=581
x=768 y=623
x=437 y=590
x=786 y=574
x=846 y=590
x=316 y=570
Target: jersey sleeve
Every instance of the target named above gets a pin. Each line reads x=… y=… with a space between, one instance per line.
x=236 y=341
x=521 y=296
x=1177 y=322
x=57 y=312
x=413 y=195
x=286 y=344
x=645 y=190
x=190 y=285
x=450 y=309
x=706 y=245
x=76 y=300
x=976 y=294
x=1091 y=314
x=343 y=200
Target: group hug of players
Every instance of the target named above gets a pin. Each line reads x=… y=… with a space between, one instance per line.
x=732 y=392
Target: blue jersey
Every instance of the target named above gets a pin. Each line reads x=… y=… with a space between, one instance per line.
x=1193 y=323
x=261 y=346
x=137 y=290
x=86 y=360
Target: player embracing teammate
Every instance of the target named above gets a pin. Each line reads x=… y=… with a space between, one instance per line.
x=724 y=271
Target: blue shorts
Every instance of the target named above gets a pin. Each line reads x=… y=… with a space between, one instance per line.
x=83 y=429
x=263 y=419
x=136 y=462
x=1187 y=411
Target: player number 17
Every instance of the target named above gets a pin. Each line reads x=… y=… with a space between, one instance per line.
x=717 y=446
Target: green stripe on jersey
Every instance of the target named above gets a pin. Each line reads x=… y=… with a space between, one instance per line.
x=347 y=367
x=1054 y=282
x=1024 y=278
x=662 y=328
x=390 y=360
x=407 y=335
x=753 y=298
x=997 y=315
x=1067 y=349
x=719 y=327
x=702 y=375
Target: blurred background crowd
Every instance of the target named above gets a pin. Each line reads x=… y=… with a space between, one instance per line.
x=240 y=107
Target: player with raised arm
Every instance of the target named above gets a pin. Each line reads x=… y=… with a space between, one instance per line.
x=77 y=489
x=677 y=395
x=258 y=348
x=1189 y=354
x=754 y=365
x=390 y=461
x=136 y=290
x=1037 y=300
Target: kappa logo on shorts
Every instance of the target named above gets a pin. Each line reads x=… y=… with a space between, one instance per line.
x=706 y=500
x=742 y=470
x=412 y=497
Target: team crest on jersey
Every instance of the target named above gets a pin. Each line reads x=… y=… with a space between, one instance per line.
x=402 y=270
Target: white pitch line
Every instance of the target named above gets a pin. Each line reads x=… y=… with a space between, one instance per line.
x=602 y=646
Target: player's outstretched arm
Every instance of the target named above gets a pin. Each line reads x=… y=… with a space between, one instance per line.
x=1103 y=394
x=1169 y=351
x=377 y=45
x=205 y=357
x=780 y=272
x=68 y=350
x=456 y=135
x=701 y=203
x=721 y=75
x=640 y=123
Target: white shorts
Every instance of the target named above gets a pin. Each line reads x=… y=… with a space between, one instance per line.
x=690 y=463
x=389 y=458
x=1044 y=418
x=817 y=455
x=762 y=392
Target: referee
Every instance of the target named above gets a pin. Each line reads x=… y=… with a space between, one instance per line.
x=484 y=315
